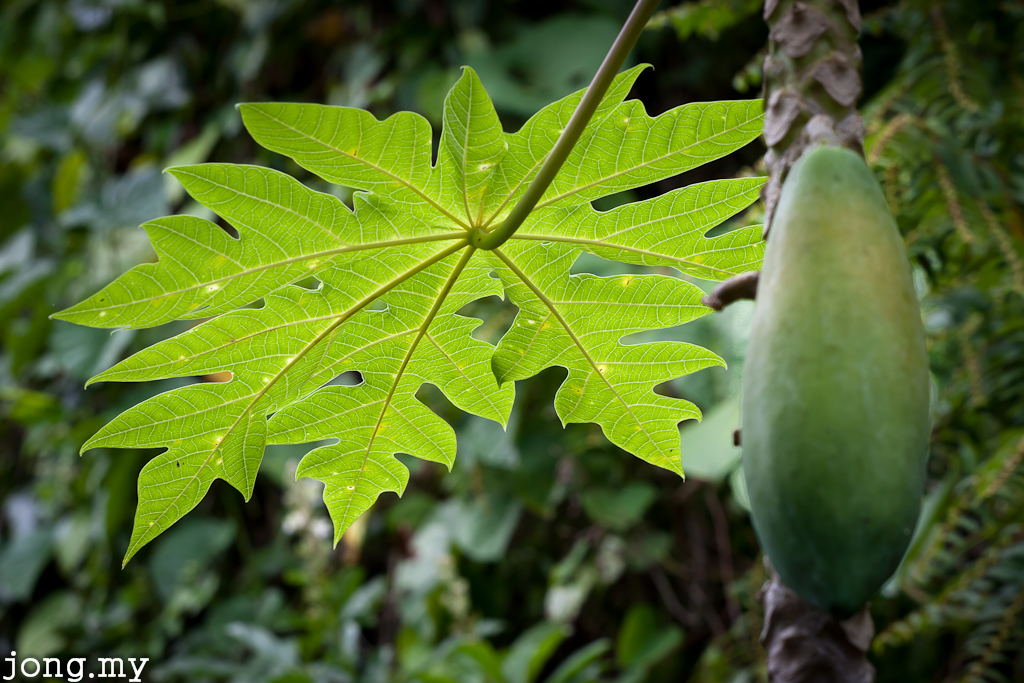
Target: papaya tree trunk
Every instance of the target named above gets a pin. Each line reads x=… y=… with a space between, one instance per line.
x=807 y=645
x=811 y=84
x=812 y=80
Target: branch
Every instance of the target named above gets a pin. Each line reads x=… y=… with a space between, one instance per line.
x=735 y=288
x=725 y=569
x=671 y=601
x=631 y=30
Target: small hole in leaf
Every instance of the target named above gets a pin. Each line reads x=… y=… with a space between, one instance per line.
x=218 y=377
x=349 y=378
x=310 y=283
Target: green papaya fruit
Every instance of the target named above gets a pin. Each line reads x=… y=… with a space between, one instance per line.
x=835 y=418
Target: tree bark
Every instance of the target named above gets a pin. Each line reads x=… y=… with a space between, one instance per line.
x=812 y=80
x=811 y=84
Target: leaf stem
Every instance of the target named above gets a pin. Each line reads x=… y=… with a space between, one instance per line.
x=613 y=61
x=326 y=254
x=624 y=247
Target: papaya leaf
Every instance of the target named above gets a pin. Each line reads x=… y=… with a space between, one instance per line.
x=392 y=275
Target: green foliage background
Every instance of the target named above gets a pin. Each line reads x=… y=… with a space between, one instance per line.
x=547 y=554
